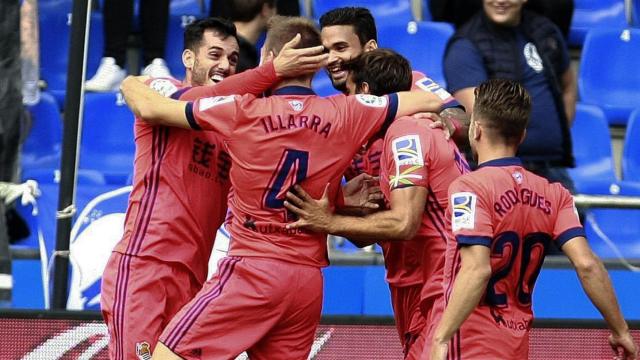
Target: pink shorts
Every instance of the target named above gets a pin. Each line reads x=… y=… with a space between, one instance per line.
x=139 y=296
x=433 y=314
x=267 y=307
x=408 y=316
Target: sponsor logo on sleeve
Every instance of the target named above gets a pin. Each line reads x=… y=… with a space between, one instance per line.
x=408 y=158
x=207 y=103
x=431 y=86
x=165 y=87
x=464 y=211
x=372 y=100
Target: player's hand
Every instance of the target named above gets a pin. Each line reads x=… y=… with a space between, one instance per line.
x=623 y=346
x=437 y=123
x=439 y=351
x=313 y=214
x=292 y=62
x=363 y=191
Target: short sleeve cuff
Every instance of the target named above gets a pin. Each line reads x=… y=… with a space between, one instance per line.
x=188 y=111
x=453 y=104
x=473 y=240
x=176 y=95
x=392 y=110
x=570 y=234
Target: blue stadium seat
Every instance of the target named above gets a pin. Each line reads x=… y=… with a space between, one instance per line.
x=609 y=75
x=423 y=43
x=55 y=25
x=398 y=11
x=614 y=232
x=594 y=172
x=107 y=142
x=590 y=14
x=322 y=84
x=631 y=150
x=41 y=148
x=191 y=7
x=175 y=43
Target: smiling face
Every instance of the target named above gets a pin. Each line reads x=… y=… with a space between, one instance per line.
x=215 y=59
x=343 y=44
x=504 y=12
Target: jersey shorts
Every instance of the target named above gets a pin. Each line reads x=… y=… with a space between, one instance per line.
x=408 y=316
x=265 y=306
x=147 y=312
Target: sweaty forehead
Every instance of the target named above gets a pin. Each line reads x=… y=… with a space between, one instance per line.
x=335 y=34
x=212 y=38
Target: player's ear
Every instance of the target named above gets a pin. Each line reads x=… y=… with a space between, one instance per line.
x=188 y=59
x=524 y=134
x=370 y=45
x=364 y=88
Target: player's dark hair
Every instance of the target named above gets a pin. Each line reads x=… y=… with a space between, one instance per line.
x=194 y=32
x=360 y=18
x=503 y=105
x=281 y=29
x=384 y=70
x=247 y=10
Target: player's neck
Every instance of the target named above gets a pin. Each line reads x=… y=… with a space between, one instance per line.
x=304 y=82
x=488 y=152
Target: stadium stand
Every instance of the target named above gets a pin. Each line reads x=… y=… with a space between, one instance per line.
x=631 y=150
x=392 y=11
x=175 y=42
x=608 y=74
x=107 y=137
x=590 y=14
x=42 y=146
x=422 y=43
x=55 y=25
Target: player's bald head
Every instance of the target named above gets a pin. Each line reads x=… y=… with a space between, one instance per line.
x=281 y=29
x=502 y=107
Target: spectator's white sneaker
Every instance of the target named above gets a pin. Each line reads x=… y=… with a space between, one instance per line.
x=157 y=69
x=107 y=78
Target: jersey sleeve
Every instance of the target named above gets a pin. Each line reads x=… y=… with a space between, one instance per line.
x=254 y=81
x=406 y=149
x=422 y=82
x=470 y=213
x=368 y=114
x=218 y=113
x=567 y=225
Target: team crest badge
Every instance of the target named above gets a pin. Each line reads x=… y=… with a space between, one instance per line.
x=143 y=350
x=517 y=176
x=464 y=210
x=296 y=105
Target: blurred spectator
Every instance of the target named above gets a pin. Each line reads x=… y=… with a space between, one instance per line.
x=118 y=16
x=284 y=7
x=459 y=12
x=11 y=117
x=250 y=18
x=505 y=41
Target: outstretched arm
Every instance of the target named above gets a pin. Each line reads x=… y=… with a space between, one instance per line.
x=468 y=288
x=149 y=105
x=401 y=222
x=597 y=285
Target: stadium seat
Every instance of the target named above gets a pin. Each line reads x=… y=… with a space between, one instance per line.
x=55 y=25
x=396 y=11
x=590 y=14
x=423 y=43
x=614 y=232
x=594 y=172
x=190 y=7
x=41 y=148
x=631 y=150
x=175 y=43
x=609 y=75
x=107 y=137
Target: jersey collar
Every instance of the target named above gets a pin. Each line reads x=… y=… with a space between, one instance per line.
x=293 y=90
x=508 y=161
